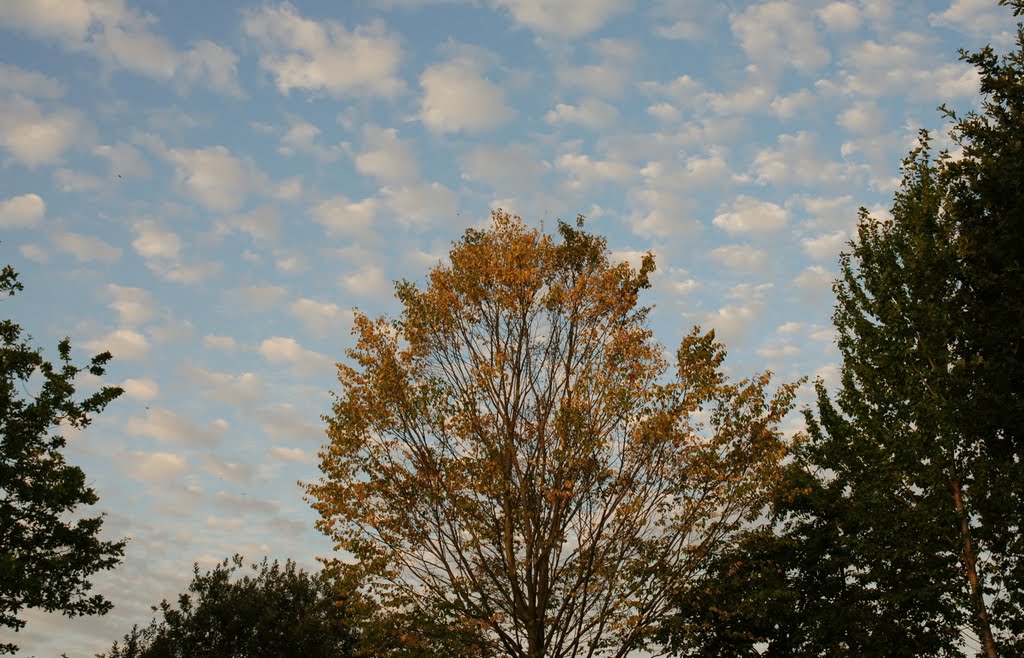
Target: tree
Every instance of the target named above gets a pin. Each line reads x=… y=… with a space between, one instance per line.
x=899 y=523
x=46 y=558
x=513 y=452
x=279 y=610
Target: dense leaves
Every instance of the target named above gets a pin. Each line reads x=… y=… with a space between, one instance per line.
x=277 y=610
x=516 y=451
x=898 y=525
x=47 y=550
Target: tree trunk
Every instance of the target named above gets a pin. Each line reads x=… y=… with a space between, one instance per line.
x=982 y=627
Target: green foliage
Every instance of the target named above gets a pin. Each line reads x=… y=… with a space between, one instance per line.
x=46 y=558
x=898 y=524
x=278 y=610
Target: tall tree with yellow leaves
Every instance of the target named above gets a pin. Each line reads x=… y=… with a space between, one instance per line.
x=517 y=451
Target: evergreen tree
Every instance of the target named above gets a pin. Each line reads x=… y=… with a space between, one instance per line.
x=898 y=529
x=46 y=558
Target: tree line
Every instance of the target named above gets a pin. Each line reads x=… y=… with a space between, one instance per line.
x=517 y=467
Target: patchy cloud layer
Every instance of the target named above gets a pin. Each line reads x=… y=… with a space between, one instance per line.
x=208 y=191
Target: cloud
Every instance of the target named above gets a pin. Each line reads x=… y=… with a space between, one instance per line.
x=161 y=249
x=779 y=34
x=564 y=19
x=742 y=257
x=814 y=285
x=122 y=343
x=369 y=281
x=86 y=248
x=141 y=389
x=905 y=67
x=134 y=306
x=584 y=172
x=280 y=453
x=168 y=427
x=749 y=215
x=301 y=138
x=826 y=246
x=279 y=349
x=243 y=389
x=125 y=160
x=122 y=39
x=261 y=297
x=607 y=76
x=421 y=204
x=155 y=467
x=28 y=83
x=457 y=98
x=326 y=56
x=22 y=211
x=225 y=344
x=386 y=157
x=591 y=113
x=798 y=160
x=34 y=137
x=283 y=421
x=224 y=469
x=318 y=317
x=839 y=16
x=215 y=178
x=515 y=169
x=666 y=112
x=341 y=215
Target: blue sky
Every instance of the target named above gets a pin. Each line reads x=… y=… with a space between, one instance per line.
x=207 y=189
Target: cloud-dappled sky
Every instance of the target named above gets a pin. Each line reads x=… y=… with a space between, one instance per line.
x=207 y=189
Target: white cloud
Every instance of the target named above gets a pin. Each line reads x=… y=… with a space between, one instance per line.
x=279 y=349
x=22 y=211
x=319 y=317
x=863 y=117
x=28 y=83
x=141 y=389
x=34 y=253
x=386 y=157
x=798 y=160
x=341 y=215
x=34 y=137
x=313 y=56
x=779 y=34
x=457 y=98
x=421 y=204
x=608 y=76
x=814 y=284
x=280 y=453
x=591 y=113
x=121 y=39
x=223 y=343
x=666 y=112
x=839 y=16
x=564 y=19
x=261 y=297
x=261 y=224
x=979 y=18
x=826 y=246
x=134 y=306
x=74 y=181
x=216 y=179
x=122 y=343
x=742 y=257
x=584 y=172
x=86 y=248
x=905 y=67
x=125 y=160
x=301 y=138
x=367 y=282
x=243 y=389
x=515 y=169
x=283 y=421
x=155 y=242
x=749 y=215
x=155 y=467
x=168 y=427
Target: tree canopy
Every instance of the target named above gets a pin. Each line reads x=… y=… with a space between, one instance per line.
x=898 y=524
x=517 y=452
x=46 y=555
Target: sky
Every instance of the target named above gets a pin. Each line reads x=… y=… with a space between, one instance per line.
x=207 y=190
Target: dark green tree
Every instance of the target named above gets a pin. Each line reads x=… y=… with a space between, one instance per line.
x=277 y=610
x=46 y=556
x=898 y=528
